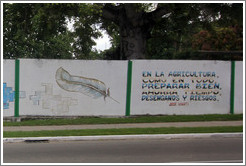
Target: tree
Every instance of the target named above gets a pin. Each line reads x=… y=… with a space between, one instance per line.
x=35 y=31
x=222 y=39
x=225 y=34
x=135 y=25
x=167 y=26
x=137 y=30
x=176 y=37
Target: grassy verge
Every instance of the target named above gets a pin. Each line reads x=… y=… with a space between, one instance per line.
x=129 y=131
x=137 y=119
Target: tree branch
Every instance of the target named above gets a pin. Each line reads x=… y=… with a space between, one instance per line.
x=110 y=13
x=158 y=13
x=130 y=10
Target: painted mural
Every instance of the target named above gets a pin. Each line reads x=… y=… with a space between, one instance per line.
x=9 y=95
x=56 y=103
x=180 y=88
x=53 y=88
x=88 y=86
x=159 y=87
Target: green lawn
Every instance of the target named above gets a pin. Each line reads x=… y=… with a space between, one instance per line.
x=135 y=119
x=128 y=131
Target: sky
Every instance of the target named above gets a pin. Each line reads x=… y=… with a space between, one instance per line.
x=103 y=43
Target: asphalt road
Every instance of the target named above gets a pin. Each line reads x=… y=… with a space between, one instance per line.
x=205 y=150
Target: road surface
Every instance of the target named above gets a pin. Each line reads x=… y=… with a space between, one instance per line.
x=205 y=150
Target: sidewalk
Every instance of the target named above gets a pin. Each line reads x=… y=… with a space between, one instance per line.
x=128 y=125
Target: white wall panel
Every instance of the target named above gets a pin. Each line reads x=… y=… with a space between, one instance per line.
x=47 y=96
x=238 y=99
x=8 y=87
x=166 y=87
x=180 y=87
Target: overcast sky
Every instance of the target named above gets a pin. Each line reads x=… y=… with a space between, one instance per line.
x=103 y=43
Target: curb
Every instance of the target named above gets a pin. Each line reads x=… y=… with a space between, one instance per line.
x=123 y=137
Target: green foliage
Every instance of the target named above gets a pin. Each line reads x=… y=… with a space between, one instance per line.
x=192 y=27
x=85 y=29
x=35 y=31
x=39 y=30
x=222 y=39
x=173 y=34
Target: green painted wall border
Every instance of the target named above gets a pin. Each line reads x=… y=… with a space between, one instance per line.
x=129 y=88
x=233 y=65
x=17 y=86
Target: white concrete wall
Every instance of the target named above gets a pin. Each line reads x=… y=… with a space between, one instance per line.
x=8 y=87
x=42 y=93
x=183 y=101
x=239 y=89
x=46 y=97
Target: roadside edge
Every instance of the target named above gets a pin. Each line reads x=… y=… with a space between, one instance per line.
x=121 y=137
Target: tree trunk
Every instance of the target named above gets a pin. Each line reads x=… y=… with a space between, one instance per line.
x=132 y=44
x=135 y=26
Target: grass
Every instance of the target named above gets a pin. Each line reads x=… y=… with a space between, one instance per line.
x=128 y=131
x=135 y=119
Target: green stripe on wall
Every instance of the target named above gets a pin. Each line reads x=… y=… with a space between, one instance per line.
x=129 y=88
x=232 y=86
x=17 y=85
